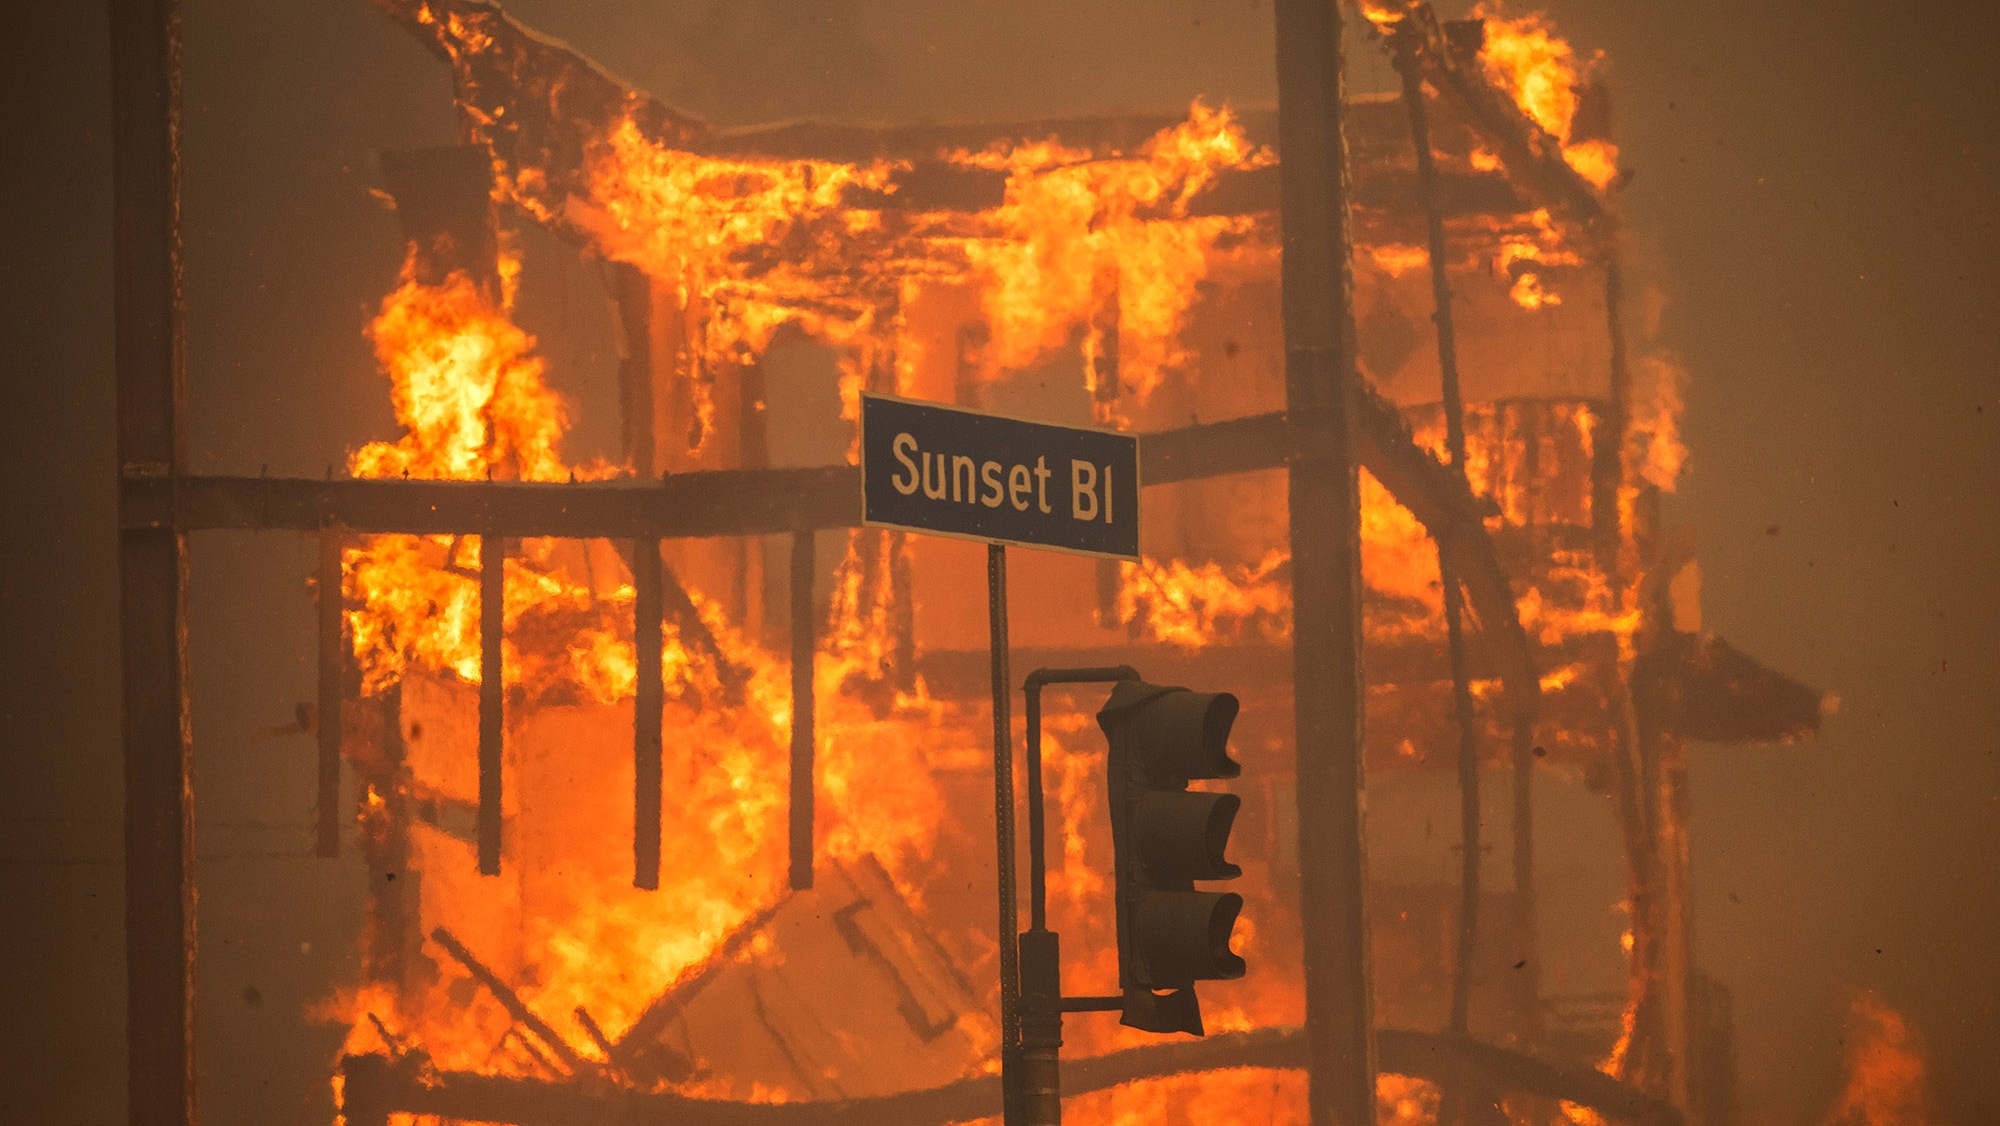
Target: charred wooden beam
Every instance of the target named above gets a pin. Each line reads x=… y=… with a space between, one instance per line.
x=332 y=666
x=632 y=300
x=1534 y=160
x=648 y=704
x=510 y=1000
x=1458 y=1097
x=804 y=613
x=1702 y=687
x=641 y=1041
x=706 y=503
x=675 y=603
x=384 y=809
x=380 y=1085
x=152 y=563
x=492 y=696
x=779 y=501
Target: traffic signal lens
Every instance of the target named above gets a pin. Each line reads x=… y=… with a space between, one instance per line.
x=1183 y=835
x=1170 y=720
x=1186 y=937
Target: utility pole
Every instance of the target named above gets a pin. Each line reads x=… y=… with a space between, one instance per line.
x=1318 y=311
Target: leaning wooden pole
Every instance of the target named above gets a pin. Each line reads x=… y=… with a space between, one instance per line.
x=1455 y=1100
x=1326 y=564
x=152 y=564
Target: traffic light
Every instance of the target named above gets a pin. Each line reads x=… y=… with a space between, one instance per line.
x=1165 y=837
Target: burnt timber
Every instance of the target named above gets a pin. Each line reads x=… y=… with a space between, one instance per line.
x=378 y=1086
x=747 y=502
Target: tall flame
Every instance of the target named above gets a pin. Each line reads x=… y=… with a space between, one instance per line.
x=1539 y=69
x=1069 y=221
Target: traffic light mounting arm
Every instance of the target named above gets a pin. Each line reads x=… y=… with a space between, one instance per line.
x=1176 y=835
x=1037 y=845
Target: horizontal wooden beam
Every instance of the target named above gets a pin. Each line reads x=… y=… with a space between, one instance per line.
x=755 y=502
x=744 y=502
x=376 y=1086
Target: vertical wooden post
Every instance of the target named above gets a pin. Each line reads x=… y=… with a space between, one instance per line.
x=332 y=663
x=1524 y=864
x=152 y=563
x=394 y=884
x=1607 y=471
x=492 y=696
x=1318 y=306
x=632 y=300
x=648 y=701
x=804 y=646
x=754 y=444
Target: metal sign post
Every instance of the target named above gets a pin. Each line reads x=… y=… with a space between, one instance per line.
x=1003 y=820
x=970 y=475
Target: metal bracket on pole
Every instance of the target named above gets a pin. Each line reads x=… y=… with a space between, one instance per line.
x=1037 y=1092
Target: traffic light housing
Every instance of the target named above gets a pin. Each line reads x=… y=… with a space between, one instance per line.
x=1165 y=837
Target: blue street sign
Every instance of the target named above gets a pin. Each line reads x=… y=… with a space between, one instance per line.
x=954 y=472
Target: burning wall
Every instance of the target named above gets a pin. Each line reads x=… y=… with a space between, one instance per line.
x=1116 y=272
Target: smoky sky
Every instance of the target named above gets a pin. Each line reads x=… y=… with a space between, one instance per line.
x=1814 y=195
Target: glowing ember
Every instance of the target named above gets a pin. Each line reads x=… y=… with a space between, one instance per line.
x=1523 y=260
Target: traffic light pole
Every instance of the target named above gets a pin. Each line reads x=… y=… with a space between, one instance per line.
x=1042 y=1003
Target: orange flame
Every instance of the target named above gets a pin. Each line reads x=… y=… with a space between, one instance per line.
x=1523 y=258
x=701 y=223
x=1886 y=1070
x=1539 y=69
x=1069 y=221
x=466 y=387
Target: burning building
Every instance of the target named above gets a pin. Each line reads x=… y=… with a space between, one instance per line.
x=671 y=780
